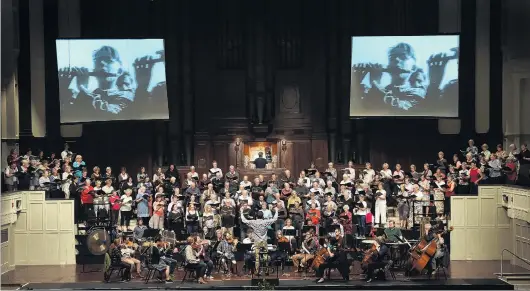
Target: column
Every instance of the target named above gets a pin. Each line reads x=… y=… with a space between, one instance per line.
x=189 y=111
x=174 y=93
x=68 y=26
x=482 y=67
x=36 y=42
x=24 y=75
x=449 y=18
x=332 y=80
x=9 y=94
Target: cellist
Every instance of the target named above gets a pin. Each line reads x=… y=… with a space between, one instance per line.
x=377 y=259
x=430 y=235
x=334 y=258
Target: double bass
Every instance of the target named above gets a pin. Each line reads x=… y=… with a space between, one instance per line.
x=422 y=253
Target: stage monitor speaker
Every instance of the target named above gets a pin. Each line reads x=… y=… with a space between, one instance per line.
x=265 y=284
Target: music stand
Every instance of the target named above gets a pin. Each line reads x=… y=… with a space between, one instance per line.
x=151 y=233
x=289 y=232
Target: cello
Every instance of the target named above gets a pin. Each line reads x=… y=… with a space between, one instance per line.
x=320 y=258
x=422 y=253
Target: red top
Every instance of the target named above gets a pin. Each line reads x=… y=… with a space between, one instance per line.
x=87 y=198
x=450 y=193
x=513 y=174
x=474 y=175
x=112 y=200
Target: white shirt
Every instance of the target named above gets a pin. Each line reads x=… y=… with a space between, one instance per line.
x=386 y=174
x=215 y=170
x=309 y=202
x=126 y=203
x=65 y=175
x=64 y=154
x=383 y=196
x=43 y=180
x=368 y=176
x=362 y=212
x=107 y=189
x=352 y=173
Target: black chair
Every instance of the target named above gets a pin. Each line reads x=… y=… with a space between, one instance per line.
x=111 y=268
x=153 y=265
x=441 y=265
x=189 y=273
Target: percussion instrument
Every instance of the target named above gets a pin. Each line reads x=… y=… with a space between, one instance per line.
x=368 y=241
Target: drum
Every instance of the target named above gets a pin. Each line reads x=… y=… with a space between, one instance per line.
x=368 y=242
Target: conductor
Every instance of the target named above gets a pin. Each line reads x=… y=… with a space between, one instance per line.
x=260 y=162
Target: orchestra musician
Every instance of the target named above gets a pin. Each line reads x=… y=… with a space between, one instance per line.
x=165 y=257
x=430 y=235
x=279 y=255
x=116 y=260
x=333 y=257
x=376 y=259
x=307 y=250
x=392 y=233
x=127 y=253
x=226 y=250
x=193 y=261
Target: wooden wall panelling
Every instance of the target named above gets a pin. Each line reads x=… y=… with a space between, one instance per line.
x=220 y=154
x=287 y=157
x=302 y=156
x=202 y=156
x=319 y=153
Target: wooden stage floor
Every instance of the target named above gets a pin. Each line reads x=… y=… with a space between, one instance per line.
x=471 y=274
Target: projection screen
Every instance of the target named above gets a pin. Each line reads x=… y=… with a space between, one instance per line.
x=415 y=76
x=111 y=79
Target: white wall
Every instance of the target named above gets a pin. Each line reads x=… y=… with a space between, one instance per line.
x=43 y=231
x=516 y=72
x=482 y=227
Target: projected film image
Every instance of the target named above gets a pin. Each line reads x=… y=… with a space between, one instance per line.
x=404 y=76
x=111 y=79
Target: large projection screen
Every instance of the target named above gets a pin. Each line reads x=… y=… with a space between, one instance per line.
x=413 y=76
x=111 y=79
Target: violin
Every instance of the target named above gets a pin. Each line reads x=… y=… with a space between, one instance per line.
x=283 y=239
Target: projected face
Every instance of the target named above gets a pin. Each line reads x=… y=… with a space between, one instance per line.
x=401 y=61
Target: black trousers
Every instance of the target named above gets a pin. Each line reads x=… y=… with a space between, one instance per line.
x=126 y=218
x=339 y=262
x=372 y=267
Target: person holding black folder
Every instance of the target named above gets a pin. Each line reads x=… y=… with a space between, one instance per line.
x=214 y=171
x=194 y=175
